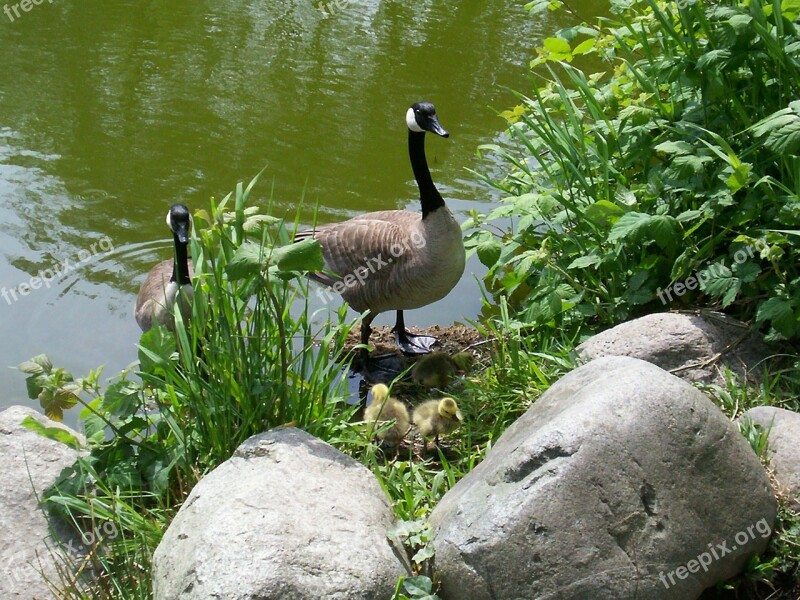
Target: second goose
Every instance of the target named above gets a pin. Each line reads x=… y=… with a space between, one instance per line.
x=169 y=282
x=397 y=259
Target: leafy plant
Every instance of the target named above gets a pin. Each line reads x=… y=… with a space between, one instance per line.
x=55 y=388
x=245 y=362
x=756 y=436
x=416 y=537
x=415 y=588
x=627 y=185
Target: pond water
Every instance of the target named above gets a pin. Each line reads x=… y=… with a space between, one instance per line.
x=113 y=111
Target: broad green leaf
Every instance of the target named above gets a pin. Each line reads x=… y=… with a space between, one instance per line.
x=780 y=312
x=792 y=48
x=305 y=255
x=556 y=45
x=624 y=196
x=57 y=434
x=686 y=165
x=406 y=528
x=584 y=47
x=630 y=225
x=418 y=586
x=423 y=554
x=257 y=223
x=93 y=425
x=489 y=252
x=689 y=215
x=790 y=9
x=122 y=399
x=782 y=130
x=740 y=23
x=539 y=6
x=35 y=385
x=713 y=58
x=665 y=230
x=603 y=213
x=584 y=261
x=156 y=347
x=55 y=403
x=748 y=271
x=251 y=258
x=679 y=147
x=248 y=259
x=36 y=365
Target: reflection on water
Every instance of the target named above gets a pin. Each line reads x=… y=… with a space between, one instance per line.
x=113 y=111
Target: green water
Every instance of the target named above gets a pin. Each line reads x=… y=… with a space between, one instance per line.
x=110 y=112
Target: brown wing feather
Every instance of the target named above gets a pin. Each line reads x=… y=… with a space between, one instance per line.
x=151 y=300
x=373 y=245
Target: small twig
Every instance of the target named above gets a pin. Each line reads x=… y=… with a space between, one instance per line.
x=709 y=361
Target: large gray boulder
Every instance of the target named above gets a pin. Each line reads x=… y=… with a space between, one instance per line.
x=695 y=347
x=32 y=542
x=784 y=447
x=288 y=517
x=620 y=482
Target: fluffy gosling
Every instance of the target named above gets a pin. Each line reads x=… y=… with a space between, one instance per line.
x=436 y=370
x=437 y=417
x=384 y=408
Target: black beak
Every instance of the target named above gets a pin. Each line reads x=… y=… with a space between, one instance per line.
x=181 y=232
x=435 y=127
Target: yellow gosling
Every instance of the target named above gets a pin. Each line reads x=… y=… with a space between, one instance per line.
x=383 y=409
x=437 y=417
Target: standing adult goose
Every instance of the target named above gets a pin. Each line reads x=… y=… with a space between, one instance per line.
x=397 y=259
x=169 y=281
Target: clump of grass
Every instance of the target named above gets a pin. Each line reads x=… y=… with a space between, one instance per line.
x=248 y=360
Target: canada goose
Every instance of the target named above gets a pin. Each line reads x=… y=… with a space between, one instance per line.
x=436 y=370
x=397 y=259
x=384 y=408
x=158 y=293
x=436 y=417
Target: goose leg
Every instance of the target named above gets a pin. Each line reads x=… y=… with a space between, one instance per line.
x=408 y=342
x=366 y=330
x=375 y=369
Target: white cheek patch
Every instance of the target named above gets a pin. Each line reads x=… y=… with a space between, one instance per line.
x=411 y=121
x=169 y=222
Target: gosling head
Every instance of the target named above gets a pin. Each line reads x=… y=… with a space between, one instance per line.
x=421 y=117
x=379 y=392
x=449 y=409
x=180 y=222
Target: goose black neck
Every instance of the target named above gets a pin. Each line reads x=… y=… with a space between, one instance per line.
x=428 y=194
x=180 y=269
